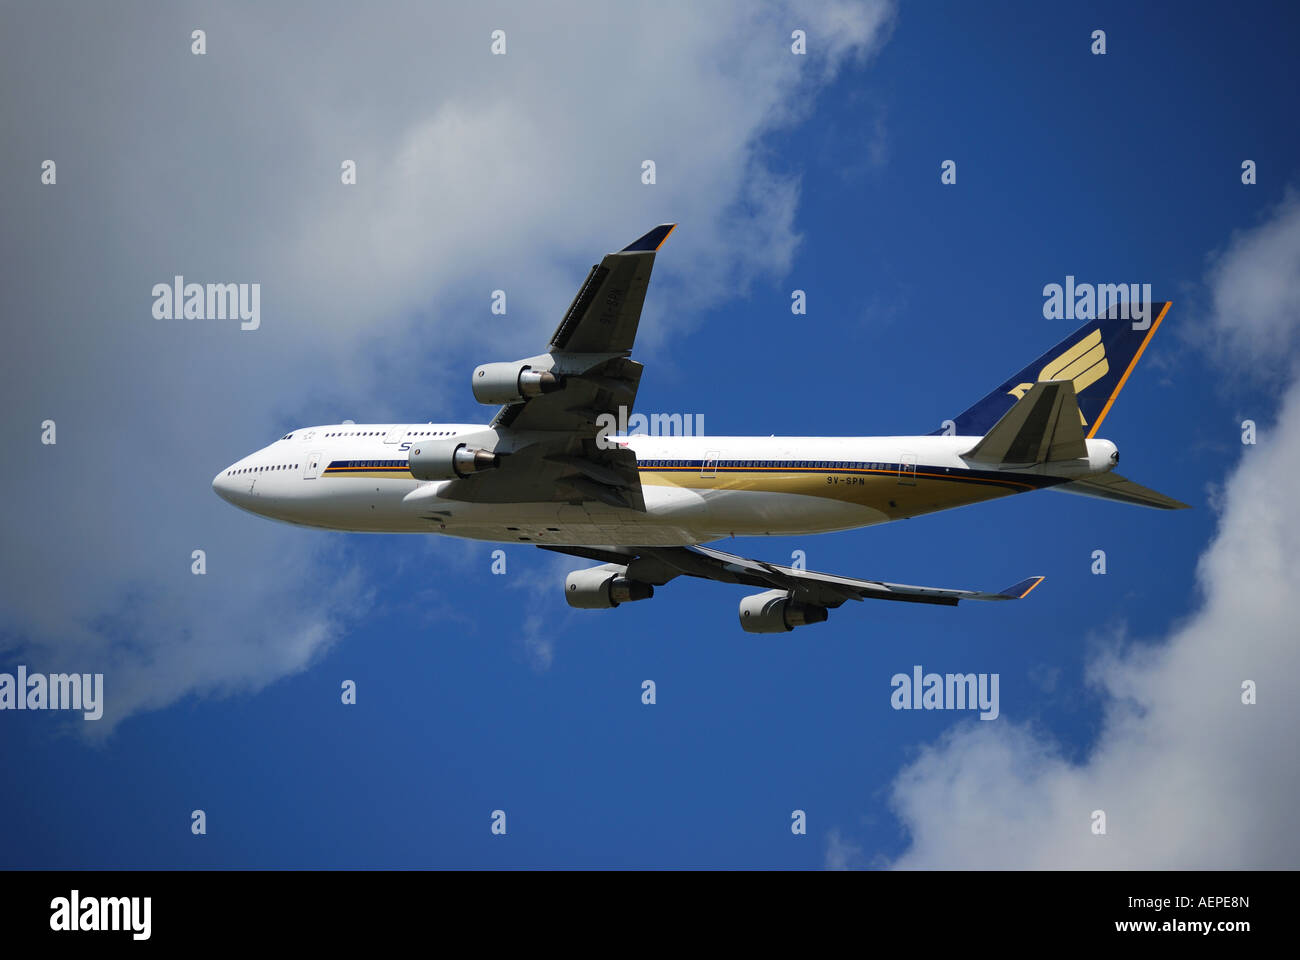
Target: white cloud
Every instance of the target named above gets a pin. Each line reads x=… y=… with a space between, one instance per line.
x=474 y=173
x=1256 y=289
x=540 y=623
x=1187 y=775
x=840 y=853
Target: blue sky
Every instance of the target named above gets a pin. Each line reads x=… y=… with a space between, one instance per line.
x=479 y=692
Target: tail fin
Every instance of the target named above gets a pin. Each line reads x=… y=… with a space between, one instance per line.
x=1098 y=357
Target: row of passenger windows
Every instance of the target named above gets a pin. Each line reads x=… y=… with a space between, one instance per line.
x=370 y=463
x=278 y=466
x=380 y=433
x=772 y=464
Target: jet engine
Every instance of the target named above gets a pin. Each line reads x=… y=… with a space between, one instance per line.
x=775 y=612
x=449 y=459
x=495 y=383
x=599 y=588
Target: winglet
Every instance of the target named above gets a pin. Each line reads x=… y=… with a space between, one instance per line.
x=1022 y=589
x=652 y=240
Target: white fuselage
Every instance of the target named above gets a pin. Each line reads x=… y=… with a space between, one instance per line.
x=354 y=477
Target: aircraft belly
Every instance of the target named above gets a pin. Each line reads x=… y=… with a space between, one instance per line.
x=759 y=512
x=578 y=535
x=557 y=523
x=810 y=501
x=676 y=514
x=672 y=518
x=369 y=505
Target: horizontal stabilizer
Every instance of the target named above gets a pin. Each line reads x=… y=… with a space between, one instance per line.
x=1111 y=486
x=1042 y=426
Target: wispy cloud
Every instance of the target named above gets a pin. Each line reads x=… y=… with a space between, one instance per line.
x=841 y=854
x=474 y=173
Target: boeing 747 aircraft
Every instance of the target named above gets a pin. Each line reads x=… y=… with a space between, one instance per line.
x=546 y=470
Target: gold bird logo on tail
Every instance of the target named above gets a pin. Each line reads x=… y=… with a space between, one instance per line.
x=1084 y=363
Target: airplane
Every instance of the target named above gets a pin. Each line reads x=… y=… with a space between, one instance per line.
x=548 y=471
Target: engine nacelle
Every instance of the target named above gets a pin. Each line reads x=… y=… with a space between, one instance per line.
x=599 y=588
x=495 y=383
x=775 y=612
x=449 y=459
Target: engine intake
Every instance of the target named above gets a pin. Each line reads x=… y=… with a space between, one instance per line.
x=774 y=612
x=450 y=460
x=599 y=588
x=495 y=383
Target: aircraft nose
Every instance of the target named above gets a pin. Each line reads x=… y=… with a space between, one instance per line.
x=221 y=486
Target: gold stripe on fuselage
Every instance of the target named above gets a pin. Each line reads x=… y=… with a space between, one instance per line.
x=882 y=490
x=370 y=474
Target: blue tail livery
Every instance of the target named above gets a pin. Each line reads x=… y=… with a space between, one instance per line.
x=1098 y=357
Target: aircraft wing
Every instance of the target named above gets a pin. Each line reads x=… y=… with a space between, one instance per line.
x=553 y=470
x=658 y=565
x=592 y=343
x=589 y=353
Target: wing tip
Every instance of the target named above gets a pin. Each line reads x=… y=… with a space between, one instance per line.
x=651 y=241
x=1022 y=589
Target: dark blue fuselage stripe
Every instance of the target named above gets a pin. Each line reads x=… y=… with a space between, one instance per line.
x=368 y=465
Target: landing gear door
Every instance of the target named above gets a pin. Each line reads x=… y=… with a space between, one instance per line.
x=312 y=470
x=907 y=469
x=709 y=469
